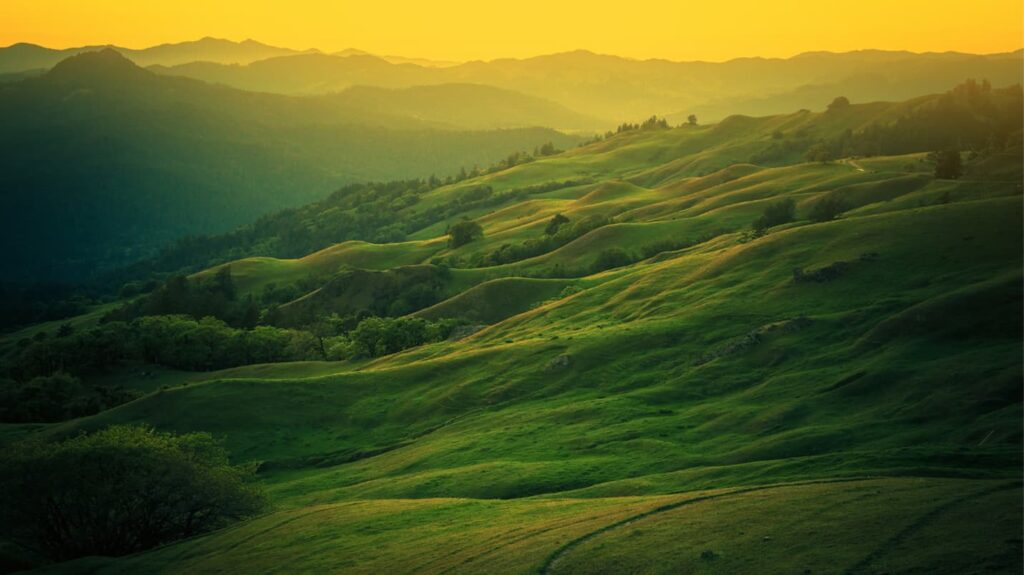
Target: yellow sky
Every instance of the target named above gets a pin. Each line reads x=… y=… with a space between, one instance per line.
x=463 y=30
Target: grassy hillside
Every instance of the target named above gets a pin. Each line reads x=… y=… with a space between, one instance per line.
x=105 y=162
x=875 y=525
x=833 y=395
x=656 y=176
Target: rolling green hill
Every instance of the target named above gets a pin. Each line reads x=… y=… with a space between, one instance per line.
x=873 y=526
x=104 y=162
x=829 y=395
x=635 y=175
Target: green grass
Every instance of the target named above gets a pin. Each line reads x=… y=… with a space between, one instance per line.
x=866 y=526
x=252 y=274
x=857 y=527
x=650 y=389
x=495 y=300
x=702 y=368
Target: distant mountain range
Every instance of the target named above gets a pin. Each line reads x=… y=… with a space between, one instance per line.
x=104 y=161
x=606 y=89
x=617 y=89
x=23 y=56
x=215 y=133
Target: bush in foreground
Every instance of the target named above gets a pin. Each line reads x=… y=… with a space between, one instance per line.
x=120 y=490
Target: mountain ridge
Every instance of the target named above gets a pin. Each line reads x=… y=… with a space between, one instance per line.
x=617 y=89
x=165 y=157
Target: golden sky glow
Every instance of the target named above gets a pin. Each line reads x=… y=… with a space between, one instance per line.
x=481 y=29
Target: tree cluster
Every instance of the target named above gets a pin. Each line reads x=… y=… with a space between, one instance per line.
x=176 y=341
x=558 y=232
x=215 y=296
x=948 y=165
x=462 y=232
x=119 y=491
x=652 y=123
x=379 y=336
x=828 y=208
x=972 y=116
x=775 y=214
x=56 y=397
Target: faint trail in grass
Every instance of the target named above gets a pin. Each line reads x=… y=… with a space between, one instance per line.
x=503 y=540
x=552 y=560
x=853 y=164
x=921 y=522
x=270 y=528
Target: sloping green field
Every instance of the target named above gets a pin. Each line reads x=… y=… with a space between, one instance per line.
x=831 y=397
x=857 y=526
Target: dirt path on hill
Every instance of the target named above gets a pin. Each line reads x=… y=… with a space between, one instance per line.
x=562 y=551
x=921 y=522
x=853 y=164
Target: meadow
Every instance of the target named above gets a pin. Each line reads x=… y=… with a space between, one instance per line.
x=826 y=395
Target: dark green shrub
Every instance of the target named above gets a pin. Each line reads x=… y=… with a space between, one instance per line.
x=776 y=214
x=556 y=222
x=948 y=165
x=609 y=259
x=463 y=232
x=119 y=491
x=828 y=208
x=56 y=397
x=378 y=336
x=820 y=152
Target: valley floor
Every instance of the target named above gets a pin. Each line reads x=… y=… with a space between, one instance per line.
x=907 y=525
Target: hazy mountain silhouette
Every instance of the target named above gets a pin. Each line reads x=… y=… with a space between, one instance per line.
x=619 y=89
x=610 y=88
x=24 y=56
x=308 y=73
x=104 y=160
x=426 y=62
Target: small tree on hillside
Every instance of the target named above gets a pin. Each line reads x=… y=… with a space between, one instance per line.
x=840 y=103
x=819 y=152
x=778 y=213
x=691 y=119
x=547 y=149
x=609 y=259
x=948 y=165
x=463 y=232
x=556 y=222
x=828 y=208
